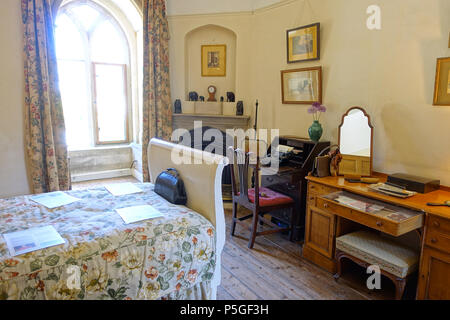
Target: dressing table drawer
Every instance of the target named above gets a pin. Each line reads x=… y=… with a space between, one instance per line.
x=437 y=240
x=357 y=216
x=319 y=189
x=381 y=216
x=439 y=225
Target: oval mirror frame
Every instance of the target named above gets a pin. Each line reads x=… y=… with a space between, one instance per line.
x=341 y=171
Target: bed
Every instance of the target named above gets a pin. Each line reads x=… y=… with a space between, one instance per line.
x=174 y=257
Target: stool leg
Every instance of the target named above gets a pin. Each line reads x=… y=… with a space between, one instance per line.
x=338 y=273
x=233 y=221
x=400 y=285
x=254 y=229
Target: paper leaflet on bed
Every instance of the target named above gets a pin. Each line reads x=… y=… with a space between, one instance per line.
x=25 y=241
x=53 y=200
x=121 y=189
x=138 y=213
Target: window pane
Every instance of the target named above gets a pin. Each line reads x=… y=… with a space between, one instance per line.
x=69 y=44
x=111 y=102
x=75 y=99
x=108 y=45
x=86 y=15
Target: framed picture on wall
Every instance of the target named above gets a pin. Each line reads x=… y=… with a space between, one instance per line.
x=301 y=86
x=303 y=43
x=214 y=60
x=442 y=83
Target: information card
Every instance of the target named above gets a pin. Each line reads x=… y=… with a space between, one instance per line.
x=121 y=189
x=53 y=200
x=138 y=213
x=25 y=241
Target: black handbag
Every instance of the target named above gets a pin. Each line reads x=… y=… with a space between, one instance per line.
x=170 y=186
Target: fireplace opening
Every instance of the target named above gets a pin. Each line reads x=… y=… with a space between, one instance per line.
x=218 y=146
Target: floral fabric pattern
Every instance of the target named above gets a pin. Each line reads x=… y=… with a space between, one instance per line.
x=157 y=109
x=103 y=258
x=44 y=119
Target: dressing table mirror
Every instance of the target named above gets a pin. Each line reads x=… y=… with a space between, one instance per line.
x=356 y=143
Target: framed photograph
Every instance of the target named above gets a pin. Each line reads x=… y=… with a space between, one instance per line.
x=301 y=86
x=303 y=44
x=214 y=60
x=442 y=83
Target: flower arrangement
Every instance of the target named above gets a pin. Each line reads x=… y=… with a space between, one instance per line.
x=316 y=110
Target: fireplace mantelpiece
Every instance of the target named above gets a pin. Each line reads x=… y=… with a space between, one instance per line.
x=221 y=122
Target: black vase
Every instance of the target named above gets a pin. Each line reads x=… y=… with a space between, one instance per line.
x=177 y=105
x=240 y=108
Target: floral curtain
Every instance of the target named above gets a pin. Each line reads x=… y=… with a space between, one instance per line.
x=44 y=119
x=157 y=110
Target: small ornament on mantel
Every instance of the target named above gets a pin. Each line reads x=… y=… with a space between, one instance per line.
x=230 y=97
x=240 y=108
x=212 y=93
x=177 y=106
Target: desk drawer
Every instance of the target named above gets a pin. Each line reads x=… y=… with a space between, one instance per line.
x=390 y=219
x=438 y=224
x=437 y=240
x=357 y=216
x=319 y=189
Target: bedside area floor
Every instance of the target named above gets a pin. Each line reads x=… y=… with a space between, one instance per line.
x=274 y=269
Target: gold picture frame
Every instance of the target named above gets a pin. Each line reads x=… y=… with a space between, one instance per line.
x=301 y=86
x=303 y=43
x=214 y=60
x=442 y=83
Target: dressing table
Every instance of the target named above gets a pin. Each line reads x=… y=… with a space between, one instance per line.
x=327 y=220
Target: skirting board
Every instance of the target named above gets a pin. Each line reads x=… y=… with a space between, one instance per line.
x=102 y=175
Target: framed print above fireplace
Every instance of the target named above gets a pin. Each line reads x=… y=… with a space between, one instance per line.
x=303 y=43
x=214 y=60
x=301 y=86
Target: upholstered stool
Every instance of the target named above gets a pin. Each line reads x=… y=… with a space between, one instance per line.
x=395 y=260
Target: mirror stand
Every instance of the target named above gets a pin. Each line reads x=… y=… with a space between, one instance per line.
x=356 y=143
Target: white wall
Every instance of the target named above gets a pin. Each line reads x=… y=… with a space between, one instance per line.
x=390 y=73
x=181 y=7
x=13 y=178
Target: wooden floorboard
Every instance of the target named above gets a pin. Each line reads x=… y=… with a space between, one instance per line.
x=275 y=269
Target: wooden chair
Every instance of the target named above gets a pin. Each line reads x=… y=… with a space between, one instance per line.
x=259 y=200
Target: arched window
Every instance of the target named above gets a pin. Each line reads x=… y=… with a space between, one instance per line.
x=94 y=64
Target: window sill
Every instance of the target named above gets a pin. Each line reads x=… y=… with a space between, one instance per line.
x=102 y=147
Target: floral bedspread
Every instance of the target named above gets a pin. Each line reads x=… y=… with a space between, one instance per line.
x=103 y=258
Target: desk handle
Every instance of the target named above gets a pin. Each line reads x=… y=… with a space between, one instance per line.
x=269 y=179
x=379 y=223
x=433 y=240
x=325 y=205
x=436 y=224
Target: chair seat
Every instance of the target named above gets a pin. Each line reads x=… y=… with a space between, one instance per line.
x=268 y=197
x=389 y=255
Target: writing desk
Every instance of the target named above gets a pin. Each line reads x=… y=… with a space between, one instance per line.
x=325 y=221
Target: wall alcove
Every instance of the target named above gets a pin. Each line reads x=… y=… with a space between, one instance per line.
x=209 y=35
